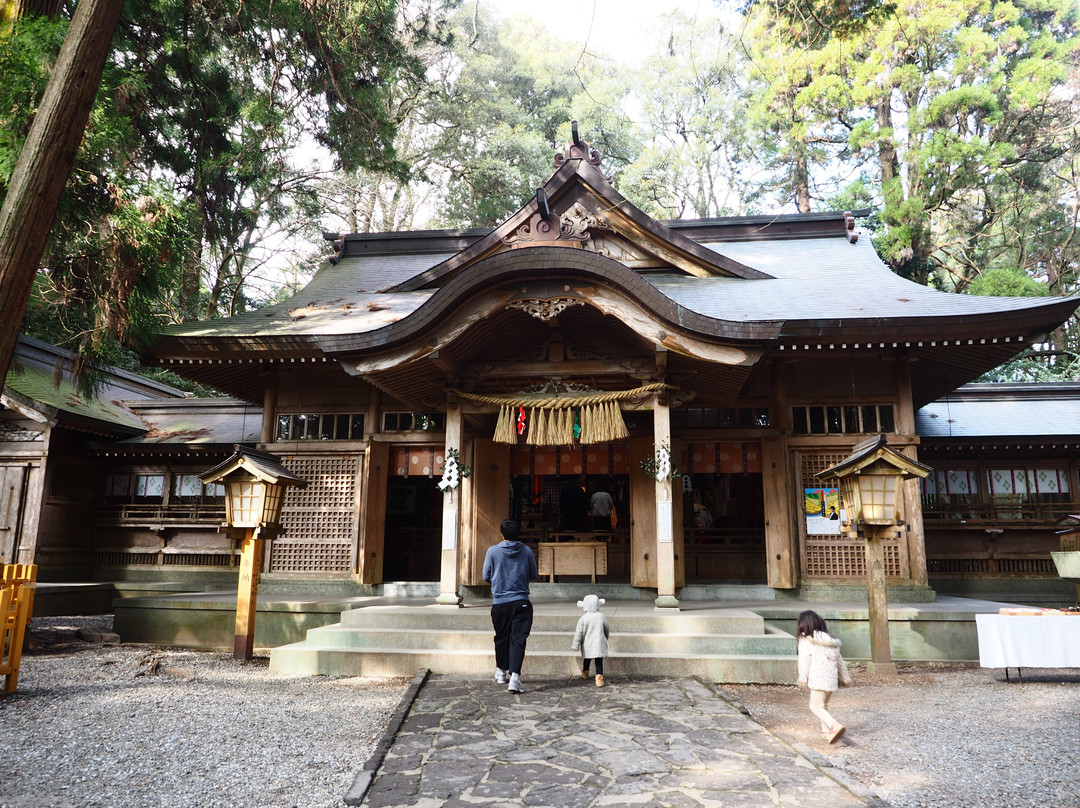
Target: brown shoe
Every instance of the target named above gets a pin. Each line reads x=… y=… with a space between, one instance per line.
x=599 y=680
x=837 y=733
x=584 y=673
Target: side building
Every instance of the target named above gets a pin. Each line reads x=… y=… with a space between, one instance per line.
x=106 y=487
x=1005 y=490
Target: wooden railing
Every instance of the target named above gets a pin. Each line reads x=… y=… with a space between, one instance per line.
x=183 y=514
x=1001 y=510
x=16 y=606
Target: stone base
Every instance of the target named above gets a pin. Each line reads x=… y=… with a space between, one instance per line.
x=882 y=668
x=667 y=602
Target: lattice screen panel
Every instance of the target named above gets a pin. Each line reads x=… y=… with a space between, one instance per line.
x=843 y=556
x=310 y=557
x=321 y=521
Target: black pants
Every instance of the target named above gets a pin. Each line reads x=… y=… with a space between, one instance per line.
x=512 y=623
x=599 y=665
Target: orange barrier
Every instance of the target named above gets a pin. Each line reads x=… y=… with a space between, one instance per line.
x=16 y=607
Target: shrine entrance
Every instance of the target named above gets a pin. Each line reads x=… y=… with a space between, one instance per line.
x=552 y=496
x=723 y=512
x=413 y=522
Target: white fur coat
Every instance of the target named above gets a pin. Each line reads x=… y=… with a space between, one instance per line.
x=592 y=631
x=821 y=667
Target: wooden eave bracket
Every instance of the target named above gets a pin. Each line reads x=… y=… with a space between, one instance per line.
x=46 y=417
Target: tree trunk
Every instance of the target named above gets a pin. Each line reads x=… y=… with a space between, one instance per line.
x=46 y=160
x=800 y=179
x=888 y=163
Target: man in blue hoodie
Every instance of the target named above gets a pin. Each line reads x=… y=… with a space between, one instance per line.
x=508 y=567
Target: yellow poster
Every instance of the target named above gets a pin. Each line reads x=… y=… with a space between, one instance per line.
x=823 y=512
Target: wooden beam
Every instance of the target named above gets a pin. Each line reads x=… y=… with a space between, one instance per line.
x=661 y=362
x=444 y=362
x=584 y=367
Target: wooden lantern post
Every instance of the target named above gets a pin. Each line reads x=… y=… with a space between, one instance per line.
x=255 y=484
x=870 y=489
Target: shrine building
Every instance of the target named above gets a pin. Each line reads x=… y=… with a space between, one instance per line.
x=431 y=384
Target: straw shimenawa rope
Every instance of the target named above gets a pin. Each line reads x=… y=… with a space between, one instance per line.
x=550 y=420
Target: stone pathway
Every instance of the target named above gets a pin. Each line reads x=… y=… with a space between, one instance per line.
x=565 y=743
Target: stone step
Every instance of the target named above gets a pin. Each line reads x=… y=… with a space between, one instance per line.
x=628 y=643
x=308 y=659
x=449 y=618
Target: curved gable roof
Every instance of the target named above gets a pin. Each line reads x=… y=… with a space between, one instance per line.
x=579 y=189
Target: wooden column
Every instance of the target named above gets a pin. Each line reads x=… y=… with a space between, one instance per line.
x=450 y=569
x=781 y=550
x=781 y=534
x=485 y=505
x=372 y=538
x=877 y=602
x=247 y=593
x=269 y=416
x=665 y=519
x=911 y=496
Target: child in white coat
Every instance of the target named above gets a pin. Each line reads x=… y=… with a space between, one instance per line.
x=591 y=637
x=821 y=669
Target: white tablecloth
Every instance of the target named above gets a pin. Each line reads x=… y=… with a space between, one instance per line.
x=1023 y=641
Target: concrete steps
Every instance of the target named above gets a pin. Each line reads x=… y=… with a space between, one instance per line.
x=723 y=645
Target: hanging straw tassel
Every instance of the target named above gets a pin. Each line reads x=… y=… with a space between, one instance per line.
x=588 y=424
x=608 y=427
x=534 y=428
x=541 y=416
x=619 y=430
x=551 y=428
x=504 y=427
x=566 y=426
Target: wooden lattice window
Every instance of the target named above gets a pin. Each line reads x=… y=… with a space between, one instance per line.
x=842 y=419
x=320 y=426
x=840 y=556
x=321 y=521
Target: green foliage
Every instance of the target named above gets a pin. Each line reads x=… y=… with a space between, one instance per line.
x=954 y=119
x=505 y=98
x=185 y=177
x=26 y=55
x=1007 y=282
x=697 y=161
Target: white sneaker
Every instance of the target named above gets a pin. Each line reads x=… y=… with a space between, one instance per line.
x=515 y=684
x=500 y=676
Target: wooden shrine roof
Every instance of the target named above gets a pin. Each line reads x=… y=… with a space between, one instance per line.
x=751 y=285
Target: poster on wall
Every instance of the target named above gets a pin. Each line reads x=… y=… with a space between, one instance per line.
x=823 y=511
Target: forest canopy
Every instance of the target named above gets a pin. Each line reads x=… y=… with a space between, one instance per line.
x=227 y=136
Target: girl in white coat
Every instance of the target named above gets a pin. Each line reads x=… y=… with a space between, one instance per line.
x=821 y=669
x=591 y=637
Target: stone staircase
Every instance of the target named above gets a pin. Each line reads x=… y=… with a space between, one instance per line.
x=717 y=643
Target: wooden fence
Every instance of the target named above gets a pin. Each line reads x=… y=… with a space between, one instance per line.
x=16 y=607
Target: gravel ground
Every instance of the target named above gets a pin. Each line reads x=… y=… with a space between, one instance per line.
x=133 y=726
x=945 y=736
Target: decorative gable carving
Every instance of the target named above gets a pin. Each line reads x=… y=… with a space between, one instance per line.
x=545 y=309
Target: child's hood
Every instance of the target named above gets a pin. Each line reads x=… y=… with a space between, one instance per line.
x=591 y=603
x=825 y=640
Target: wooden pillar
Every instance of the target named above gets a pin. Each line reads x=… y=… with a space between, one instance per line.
x=781 y=550
x=372 y=539
x=665 y=518
x=269 y=415
x=247 y=592
x=911 y=497
x=778 y=484
x=877 y=602
x=450 y=568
